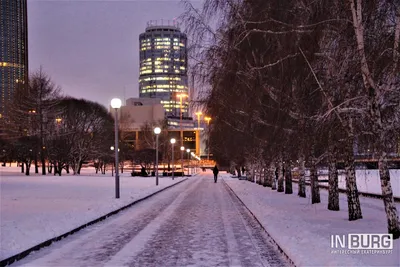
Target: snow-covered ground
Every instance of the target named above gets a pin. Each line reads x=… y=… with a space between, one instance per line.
x=196 y=223
x=368 y=181
x=303 y=229
x=37 y=208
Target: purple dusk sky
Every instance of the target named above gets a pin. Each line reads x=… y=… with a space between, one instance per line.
x=90 y=48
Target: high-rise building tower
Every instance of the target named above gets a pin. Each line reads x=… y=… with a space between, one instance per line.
x=163 y=66
x=13 y=49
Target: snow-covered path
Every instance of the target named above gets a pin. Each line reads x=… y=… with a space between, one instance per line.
x=196 y=223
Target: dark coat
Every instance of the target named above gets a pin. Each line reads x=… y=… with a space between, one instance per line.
x=215 y=170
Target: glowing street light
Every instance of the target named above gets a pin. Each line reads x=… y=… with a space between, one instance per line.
x=116 y=104
x=157 y=131
x=198 y=114
x=188 y=157
x=207 y=119
x=198 y=142
x=180 y=108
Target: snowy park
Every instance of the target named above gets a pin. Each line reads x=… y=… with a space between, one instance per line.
x=283 y=115
x=37 y=208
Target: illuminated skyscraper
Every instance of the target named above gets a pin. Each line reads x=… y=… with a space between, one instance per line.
x=163 y=66
x=13 y=49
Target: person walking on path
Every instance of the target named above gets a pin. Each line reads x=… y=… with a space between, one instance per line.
x=215 y=171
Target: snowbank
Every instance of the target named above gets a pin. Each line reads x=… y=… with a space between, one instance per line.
x=36 y=208
x=303 y=229
x=368 y=181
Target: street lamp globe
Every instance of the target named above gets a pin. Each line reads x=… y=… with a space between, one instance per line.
x=182 y=148
x=173 y=140
x=116 y=103
x=157 y=130
x=112 y=147
x=188 y=150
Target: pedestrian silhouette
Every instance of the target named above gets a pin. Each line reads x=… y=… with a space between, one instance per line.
x=215 y=171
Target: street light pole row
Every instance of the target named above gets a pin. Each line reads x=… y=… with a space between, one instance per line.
x=116 y=104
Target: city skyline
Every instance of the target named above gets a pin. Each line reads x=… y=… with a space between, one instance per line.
x=91 y=48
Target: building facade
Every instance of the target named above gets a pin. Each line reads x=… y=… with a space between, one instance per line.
x=13 y=49
x=163 y=67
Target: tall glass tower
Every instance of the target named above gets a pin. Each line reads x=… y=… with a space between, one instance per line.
x=163 y=66
x=13 y=49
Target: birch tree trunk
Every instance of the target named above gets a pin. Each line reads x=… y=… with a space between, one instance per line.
x=353 y=200
x=302 y=178
x=315 y=196
x=28 y=167
x=80 y=167
x=374 y=93
x=333 y=199
x=60 y=167
x=280 y=175
x=267 y=175
x=288 y=178
x=36 y=164
x=387 y=194
x=43 y=160
x=273 y=176
x=260 y=176
x=270 y=176
x=253 y=175
x=75 y=167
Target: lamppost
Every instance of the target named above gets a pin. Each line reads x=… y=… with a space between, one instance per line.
x=188 y=151
x=192 y=155
x=198 y=114
x=208 y=139
x=157 y=131
x=173 y=141
x=198 y=141
x=182 y=149
x=180 y=121
x=58 y=121
x=116 y=104
x=112 y=166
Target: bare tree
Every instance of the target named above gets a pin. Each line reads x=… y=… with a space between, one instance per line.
x=87 y=126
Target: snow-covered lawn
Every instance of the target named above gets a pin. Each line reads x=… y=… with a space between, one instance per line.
x=368 y=181
x=37 y=208
x=303 y=229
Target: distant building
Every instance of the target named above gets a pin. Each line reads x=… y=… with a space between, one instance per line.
x=163 y=67
x=139 y=111
x=13 y=49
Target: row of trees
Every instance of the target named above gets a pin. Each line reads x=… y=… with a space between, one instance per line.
x=301 y=83
x=57 y=132
x=44 y=126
